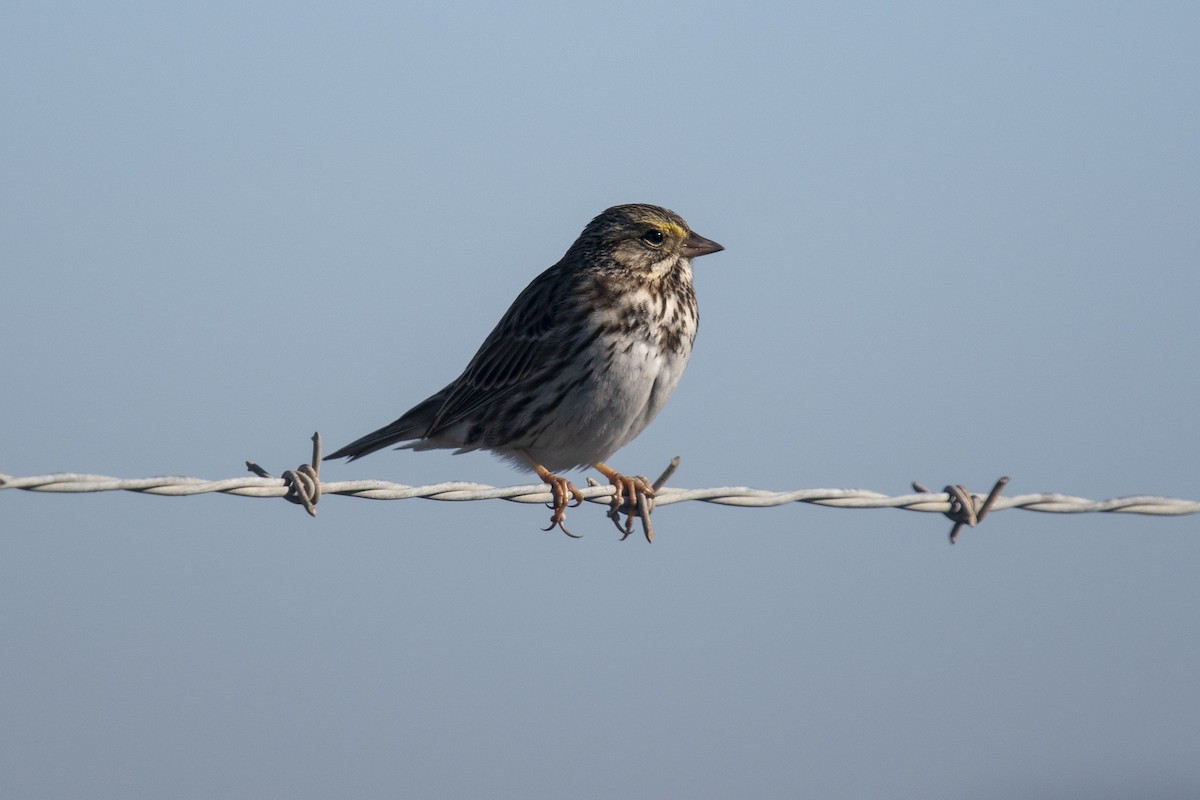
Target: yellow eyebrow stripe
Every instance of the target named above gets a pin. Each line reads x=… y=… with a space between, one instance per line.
x=667 y=227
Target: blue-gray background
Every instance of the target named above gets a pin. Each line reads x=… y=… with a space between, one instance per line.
x=961 y=242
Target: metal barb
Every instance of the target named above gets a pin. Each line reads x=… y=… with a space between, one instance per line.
x=303 y=483
x=645 y=506
x=667 y=473
x=966 y=508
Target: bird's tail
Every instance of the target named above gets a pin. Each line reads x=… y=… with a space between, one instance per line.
x=413 y=425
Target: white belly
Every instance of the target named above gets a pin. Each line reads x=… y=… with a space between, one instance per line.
x=603 y=415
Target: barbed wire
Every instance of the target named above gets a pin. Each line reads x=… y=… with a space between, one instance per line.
x=306 y=488
x=458 y=491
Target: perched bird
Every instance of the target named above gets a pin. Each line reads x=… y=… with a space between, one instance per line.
x=579 y=365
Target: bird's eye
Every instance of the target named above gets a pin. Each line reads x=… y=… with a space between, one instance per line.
x=653 y=237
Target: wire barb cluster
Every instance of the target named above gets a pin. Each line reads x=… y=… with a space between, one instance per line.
x=303 y=483
x=966 y=508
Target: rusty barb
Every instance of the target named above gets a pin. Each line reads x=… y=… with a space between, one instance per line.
x=966 y=508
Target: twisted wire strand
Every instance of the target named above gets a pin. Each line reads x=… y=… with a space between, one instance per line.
x=457 y=491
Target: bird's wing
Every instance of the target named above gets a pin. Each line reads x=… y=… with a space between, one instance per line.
x=523 y=347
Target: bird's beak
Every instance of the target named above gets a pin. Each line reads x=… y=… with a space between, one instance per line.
x=697 y=245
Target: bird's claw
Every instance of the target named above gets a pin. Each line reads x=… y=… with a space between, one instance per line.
x=633 y=497
x=559 y=487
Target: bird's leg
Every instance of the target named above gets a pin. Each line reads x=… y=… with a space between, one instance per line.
x=559 y=487
x=631 y=497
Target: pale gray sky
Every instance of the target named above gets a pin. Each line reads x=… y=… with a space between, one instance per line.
x=961 y=242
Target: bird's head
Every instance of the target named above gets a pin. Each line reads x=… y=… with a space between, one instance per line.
x=644 y=240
